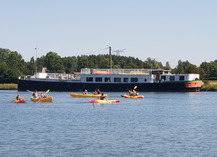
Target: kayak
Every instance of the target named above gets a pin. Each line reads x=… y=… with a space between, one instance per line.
x=134 y=97
x=86 y=95
x=104 y=101
x=20 y=101
x=48 y=99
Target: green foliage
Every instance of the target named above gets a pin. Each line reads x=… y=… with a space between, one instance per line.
x=53 y=62
x=11 y=66
x=167 y=67
x=70 y=64
x=31 y=66
x=210 y=68
x=152 y=64
x=8 y=86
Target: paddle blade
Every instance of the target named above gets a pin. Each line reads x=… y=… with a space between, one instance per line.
x=135 y=87
x=23 y=97
x=47 y=91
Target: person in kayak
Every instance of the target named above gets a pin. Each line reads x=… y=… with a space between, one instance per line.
x=97 y=92
x=135 y=93
x=18 y=97
x=85 y=92
x=42 y=95
x=35 y=94
x=102 y=97
x=131 y=93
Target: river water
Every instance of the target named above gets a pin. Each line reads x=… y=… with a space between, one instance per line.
x=161 y=124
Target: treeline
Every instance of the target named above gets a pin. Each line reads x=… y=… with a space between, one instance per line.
x=12 y=65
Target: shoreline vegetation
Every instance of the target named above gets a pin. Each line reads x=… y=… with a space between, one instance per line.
x=208 y=85
x=8 y=86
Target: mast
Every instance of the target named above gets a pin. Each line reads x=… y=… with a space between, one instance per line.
x=110 y=57
x=36 y=58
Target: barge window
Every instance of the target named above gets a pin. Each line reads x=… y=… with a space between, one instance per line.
x=181 y=78
x=125 y=79
x=134 y=79
x=98 y=79
x=89 y=79
x=117 y=79
x=108 y=79
x=163 y=78
x=172 y=78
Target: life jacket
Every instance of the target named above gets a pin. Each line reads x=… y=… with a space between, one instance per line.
x=102 y=97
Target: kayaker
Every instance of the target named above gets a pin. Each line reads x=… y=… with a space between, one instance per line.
x=35 y=94
x=18 y=97
x=97 y=92
x=102 y=97
x=42 y=95
x=135 y=93
x=85 y=92
x=131 y=93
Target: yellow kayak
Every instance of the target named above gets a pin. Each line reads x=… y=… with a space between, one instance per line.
x=134 y=97
x=86 y=95
x=49 y=99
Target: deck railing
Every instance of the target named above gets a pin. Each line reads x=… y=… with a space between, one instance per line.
x=118 y=71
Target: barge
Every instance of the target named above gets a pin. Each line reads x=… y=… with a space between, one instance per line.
x=112 y=80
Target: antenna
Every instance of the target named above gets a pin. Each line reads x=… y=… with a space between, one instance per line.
x=119 y=51
x=36 y=51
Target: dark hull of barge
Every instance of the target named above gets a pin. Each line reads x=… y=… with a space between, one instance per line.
x=63 y=86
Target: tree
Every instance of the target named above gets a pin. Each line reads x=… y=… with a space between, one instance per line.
x=152 y=64
x=70 y=64
x=104 y=63
x=53 y=62
x=4 y=53
x=83 y=62
x=31 y=66
x=167 y=67
x=210 y=68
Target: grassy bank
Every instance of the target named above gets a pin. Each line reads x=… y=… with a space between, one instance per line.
x=8 y=86
x=209 y=85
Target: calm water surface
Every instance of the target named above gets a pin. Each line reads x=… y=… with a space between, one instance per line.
x=162 y=124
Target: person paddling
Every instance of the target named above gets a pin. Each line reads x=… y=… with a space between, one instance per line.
x=135 y=93
x=35 y=94
x=102 y=97
x=130 y=93
x=18 y=97
x=97 y=92
x=42 y=95
x=85 y=92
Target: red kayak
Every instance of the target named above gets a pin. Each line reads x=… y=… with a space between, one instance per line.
x=20 y=101
x=104 y=101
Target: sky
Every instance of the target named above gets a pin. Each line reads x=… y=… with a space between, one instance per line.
x=164 y=30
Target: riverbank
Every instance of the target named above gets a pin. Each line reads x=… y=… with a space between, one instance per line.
x=8 y=86
x=209 y=85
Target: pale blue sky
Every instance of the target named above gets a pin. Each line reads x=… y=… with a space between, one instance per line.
x=167 y=30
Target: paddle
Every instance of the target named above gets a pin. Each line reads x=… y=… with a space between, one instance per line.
x=135 y=87
x=47 y=91
x=94 y=102
x=29 y=91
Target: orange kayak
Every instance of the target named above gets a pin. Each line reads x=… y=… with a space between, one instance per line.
x=49 y=99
